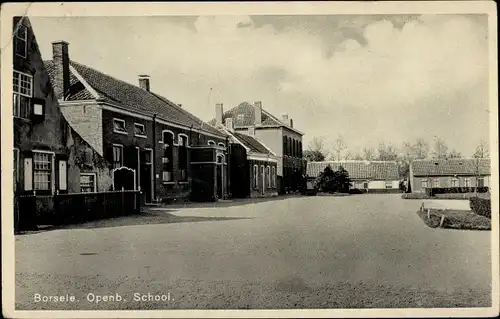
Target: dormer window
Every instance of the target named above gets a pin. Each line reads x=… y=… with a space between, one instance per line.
x=139 y=130
x=21 y=41
x=211 y=143
x=119 y=126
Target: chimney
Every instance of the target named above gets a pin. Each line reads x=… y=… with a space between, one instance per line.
x=230 y=124
x=180 y=105
x=291 y=123
x=144 y=82
x=219 y=112
x=251 y=131
x=284 y=118
x=258 y=113
x=60 y=57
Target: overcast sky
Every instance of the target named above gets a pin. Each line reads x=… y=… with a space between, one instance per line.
x=371 y=78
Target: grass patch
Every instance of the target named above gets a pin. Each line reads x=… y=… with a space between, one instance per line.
x=455 y=219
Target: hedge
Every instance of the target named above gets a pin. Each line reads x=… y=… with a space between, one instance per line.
x=481 y=206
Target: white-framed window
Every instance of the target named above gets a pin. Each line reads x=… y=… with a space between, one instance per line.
x=365 y=185
x=273 y=179
x=221 y=144
x=268 y=175
x=210 y=142
x=183 y=156
x=87 y=182
x=22 y=94
x=256 y=176
x=139 y=130
x=42 y=171
x=119 y=126
x=167 y=176
x=435 y=182
x=21 y=41
x=168 y=155
x=467 y=182
x=388 y=184
x=454 y=182
x=117 y=155
x=240 y=117
x=480 y=182
x=424 y=183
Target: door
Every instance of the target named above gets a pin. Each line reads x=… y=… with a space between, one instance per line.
x=146 y=174
x=219 y=181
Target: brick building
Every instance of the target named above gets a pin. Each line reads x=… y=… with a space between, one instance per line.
x=132 y=128
x=252 y=165
x=449 y=173
x=278 y=134
x=372 y=176
x=49 y=156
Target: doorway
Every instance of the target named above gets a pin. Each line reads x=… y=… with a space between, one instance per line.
x=220 y=176
x=146 y=174
x=263 y=176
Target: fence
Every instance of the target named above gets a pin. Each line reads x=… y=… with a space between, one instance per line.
x=60 y=209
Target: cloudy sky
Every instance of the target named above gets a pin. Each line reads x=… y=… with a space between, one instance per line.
x=370 y=78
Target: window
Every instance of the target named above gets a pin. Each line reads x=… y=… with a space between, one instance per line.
x=23 y=92
x=467 y=182
x=480 y=182
x=388 y=184
x=16 y=168
x=424 y=183
x=63 y=175
x=435 y=182
x=21 y=41
x=117 y=156
x=255 y=176
x=365 y=185
x=139 y=130
x=183 y=160
x=167 y=160
x=300 y=149
x=240 y=118
x=210 y=142
x=87 y=183
x=268 y=175
x=454 y=182
x=119 y=126
x=273 y=170
x=221 y=145
x=289 y=146
x=42 y=170
x=285 y=145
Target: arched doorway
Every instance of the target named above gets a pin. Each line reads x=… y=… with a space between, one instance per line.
x=124 y=178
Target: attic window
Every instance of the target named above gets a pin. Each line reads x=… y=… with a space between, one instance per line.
x=119 y=126
x=139 y=130
x=240 y=117
x=21 y=41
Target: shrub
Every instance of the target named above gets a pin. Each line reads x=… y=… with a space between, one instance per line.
x=481 y=206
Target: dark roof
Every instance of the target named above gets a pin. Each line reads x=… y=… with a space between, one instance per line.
x=448 y=167
x=376 y=170
x=246 y=118
x=250 y=142
x=129 y=96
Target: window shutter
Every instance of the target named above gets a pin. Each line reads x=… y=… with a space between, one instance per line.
x=63 y=173
x=28 y=174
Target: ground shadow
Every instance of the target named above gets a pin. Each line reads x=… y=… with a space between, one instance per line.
x=148 y=217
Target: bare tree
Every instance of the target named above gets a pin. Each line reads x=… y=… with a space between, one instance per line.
x=440 y=150
x=339 y=149
x=386 y=152
x=482 y=150
x=454 y=154
x=421 y=148
x=368 y=154
x=316 y=150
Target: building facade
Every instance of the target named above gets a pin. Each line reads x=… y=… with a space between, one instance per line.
x=252 y=165
x=169 y=150
x=49 y=156
x=449 y=173
x=370 y=176
x=279 y=135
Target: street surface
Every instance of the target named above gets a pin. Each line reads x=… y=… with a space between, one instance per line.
x=360 y=251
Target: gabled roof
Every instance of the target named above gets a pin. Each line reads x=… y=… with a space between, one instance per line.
x=250 y=142
x=243 y=116
x=127 y=96
x=450 y=167
x=375 y=170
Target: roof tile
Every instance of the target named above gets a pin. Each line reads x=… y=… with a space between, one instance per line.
x=447 y=167
x=376 y=170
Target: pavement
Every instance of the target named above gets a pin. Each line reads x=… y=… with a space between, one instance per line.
x=360 y=251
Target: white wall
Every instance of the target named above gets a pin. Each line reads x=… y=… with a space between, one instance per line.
x=273 y=139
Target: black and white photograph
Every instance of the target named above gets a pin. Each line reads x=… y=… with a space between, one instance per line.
x=249 y=159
